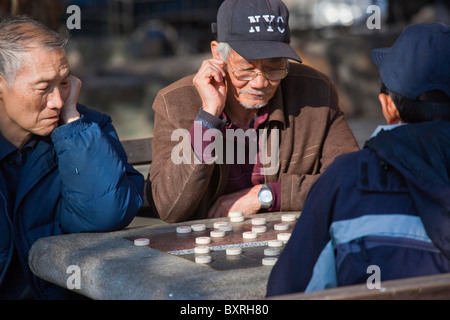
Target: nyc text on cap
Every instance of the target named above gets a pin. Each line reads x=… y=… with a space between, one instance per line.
x=256 y=29
x=419 y=61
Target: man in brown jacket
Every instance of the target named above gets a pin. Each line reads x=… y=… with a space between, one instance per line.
x=250 y=131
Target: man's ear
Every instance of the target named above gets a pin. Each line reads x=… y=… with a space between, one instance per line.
x=2 y=87
x=390 y=111
x=214 y=45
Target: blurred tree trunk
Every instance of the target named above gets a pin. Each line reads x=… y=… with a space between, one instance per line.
x=45 y=11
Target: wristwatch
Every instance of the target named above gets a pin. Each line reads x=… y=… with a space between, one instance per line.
x=265 y=196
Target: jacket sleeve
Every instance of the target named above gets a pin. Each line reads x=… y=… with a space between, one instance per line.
x=101 y=191
x=178 y=179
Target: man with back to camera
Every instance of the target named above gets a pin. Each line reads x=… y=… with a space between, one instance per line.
x=248 y=85
x=387 y=206
x=62 y=167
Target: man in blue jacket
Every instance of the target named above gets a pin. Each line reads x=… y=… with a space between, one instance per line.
x=62 y=167
x=383 y=212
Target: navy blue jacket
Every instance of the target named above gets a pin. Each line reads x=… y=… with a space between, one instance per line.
x=75 y=180
x=387 y=205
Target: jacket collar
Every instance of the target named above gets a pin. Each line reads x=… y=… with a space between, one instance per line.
x=386 y=127
x=276 y=112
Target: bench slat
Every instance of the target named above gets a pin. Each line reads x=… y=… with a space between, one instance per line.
x=433 y=287
x=139 y=151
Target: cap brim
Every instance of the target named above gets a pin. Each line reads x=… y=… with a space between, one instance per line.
x=264 y=50
x=378 y=55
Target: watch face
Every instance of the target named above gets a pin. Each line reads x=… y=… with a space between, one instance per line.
x=266 y=196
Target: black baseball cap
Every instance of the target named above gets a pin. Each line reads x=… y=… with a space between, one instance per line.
x=419 y=60
x=256 y=29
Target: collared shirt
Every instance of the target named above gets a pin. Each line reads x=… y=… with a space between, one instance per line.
x=247 y=174
x=242 y=175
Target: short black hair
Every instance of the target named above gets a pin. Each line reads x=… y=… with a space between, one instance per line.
x=429 y=106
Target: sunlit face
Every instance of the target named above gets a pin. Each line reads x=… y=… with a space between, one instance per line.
x=256 y=93
x=33 y=102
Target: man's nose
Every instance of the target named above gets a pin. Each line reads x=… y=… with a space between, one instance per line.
x=260 y=80
x=55 y=99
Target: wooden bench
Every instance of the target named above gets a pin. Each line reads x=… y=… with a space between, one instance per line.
x=139 y=153
x=434 y=287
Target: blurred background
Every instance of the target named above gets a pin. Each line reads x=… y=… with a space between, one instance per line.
x=127 y=50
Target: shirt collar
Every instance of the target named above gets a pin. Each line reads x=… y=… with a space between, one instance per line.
x=6 y=147
x=276 y=110
x=260 y=118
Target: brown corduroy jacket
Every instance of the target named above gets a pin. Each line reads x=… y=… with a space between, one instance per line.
x=312 y=132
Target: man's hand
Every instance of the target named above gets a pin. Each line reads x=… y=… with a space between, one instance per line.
x=211 y=86
x=69 y=111
x=245 y=200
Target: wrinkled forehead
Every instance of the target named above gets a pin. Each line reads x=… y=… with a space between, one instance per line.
x=40 y=63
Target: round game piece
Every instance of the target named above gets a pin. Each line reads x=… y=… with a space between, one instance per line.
x=201 y=249
x=271 y=252
x=232 y=251
x=237 y=219
x=235 y=214
x=226 y=227
x=258 y=221
x=184 y=229
x=198 y=227
x=142 y=242
x=275 y=243
x=289 y=217
x=217 y=234
x=249 y=235
x=203 y=240
x=217 y=224
x=259 y=229
x=283 y=236
x=281 y=226
x=269 y=261
x=204 y=258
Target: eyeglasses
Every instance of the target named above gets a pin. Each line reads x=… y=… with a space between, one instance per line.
x=248 y=75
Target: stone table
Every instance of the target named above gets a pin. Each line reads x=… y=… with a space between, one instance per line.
x=112 y=267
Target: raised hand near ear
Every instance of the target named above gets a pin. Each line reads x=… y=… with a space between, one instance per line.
x=211 y=85
x=69 y=111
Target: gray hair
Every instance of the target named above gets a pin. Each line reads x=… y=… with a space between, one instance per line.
x=20 y=34
x=223 y=49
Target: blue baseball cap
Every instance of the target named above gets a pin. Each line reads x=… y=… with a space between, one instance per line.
x=256 y=29
x=419 y=61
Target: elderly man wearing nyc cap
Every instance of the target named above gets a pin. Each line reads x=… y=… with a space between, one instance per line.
x=250 y=131
x=386 y=208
